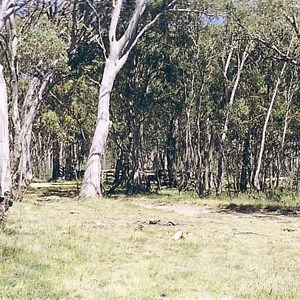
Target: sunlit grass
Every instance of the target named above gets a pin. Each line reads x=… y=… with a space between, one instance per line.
x=55 y=247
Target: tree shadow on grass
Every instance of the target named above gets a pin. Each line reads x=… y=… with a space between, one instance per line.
x=268 y=209
x=44 y=193
x=63 y=193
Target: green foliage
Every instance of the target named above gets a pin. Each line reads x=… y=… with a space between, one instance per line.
x=50 y=121
x=42 y=48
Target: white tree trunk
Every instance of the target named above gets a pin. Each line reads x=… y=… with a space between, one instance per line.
x=22 y=155
x=5 y=178
x=241 y=63
x=264 y=132
x=118 y=54
x=119 y=50
x=91 y=186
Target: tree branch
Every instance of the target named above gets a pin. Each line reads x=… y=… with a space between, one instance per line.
x=130 y=32
x=113 y=24
x=145 y=28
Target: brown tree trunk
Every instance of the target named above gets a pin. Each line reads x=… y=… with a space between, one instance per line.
x=171 y=155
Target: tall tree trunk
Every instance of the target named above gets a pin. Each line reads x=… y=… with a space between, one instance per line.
x=171 y=155
x=22 y=170
x=119 y=50
x=288 y=100
x=134 y=183
x=5 y=176
x=55 y=159
x=208 y=157
x=241 y=62
x=91 y=186
x=256 y=182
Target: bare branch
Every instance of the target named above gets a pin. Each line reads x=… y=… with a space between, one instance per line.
x=292 y=20
x=98 y=38
x=7 y=8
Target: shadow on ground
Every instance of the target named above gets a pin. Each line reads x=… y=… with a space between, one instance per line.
x=250 y=209
x=54 y=190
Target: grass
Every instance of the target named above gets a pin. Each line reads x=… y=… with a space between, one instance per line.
x=54 y=247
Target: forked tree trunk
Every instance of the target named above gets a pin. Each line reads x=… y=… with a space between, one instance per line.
x=118 y=53
x=5 y=176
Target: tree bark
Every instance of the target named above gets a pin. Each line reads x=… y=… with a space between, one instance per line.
x=91 y=186
x=229 y=109
x=118 y=54
x=256 y=182
x=245 y=165
x=5 y=176
x=22 y=170
x=171 y=153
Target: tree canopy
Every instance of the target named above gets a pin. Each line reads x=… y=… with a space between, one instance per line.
x=203 y=95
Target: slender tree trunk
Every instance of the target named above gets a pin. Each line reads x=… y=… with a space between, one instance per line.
x=256 y=182
x=134 y=183
x=55 y=159
x=21 y=163
x=171 y=155
x=225 y=128
x=280 y=157
x=5 y=176
x=245 y=165
x=208 y=157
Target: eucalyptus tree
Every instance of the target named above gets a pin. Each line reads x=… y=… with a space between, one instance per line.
x=240 y=47
x=7 y=11
x=277 y=34
x=39 y=45
x=41 y=54
x=120 y=46
x=5 y=177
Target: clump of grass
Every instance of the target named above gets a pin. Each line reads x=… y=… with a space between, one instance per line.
x=54 y=247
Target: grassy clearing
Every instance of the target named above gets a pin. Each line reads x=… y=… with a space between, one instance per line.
x=54 y=247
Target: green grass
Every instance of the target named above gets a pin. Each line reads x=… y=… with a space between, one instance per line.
x=55 y=247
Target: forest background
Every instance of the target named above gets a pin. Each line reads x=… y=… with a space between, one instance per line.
x=199 y=95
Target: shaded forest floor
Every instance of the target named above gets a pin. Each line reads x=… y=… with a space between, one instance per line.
x=55 y=247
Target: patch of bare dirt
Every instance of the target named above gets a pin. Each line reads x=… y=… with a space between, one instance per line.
x=188 y=210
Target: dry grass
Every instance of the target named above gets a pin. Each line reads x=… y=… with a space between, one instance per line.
x=54 y=247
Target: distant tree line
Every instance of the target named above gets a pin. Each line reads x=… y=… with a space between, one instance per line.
x=203 y=93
